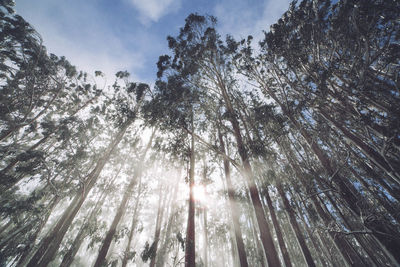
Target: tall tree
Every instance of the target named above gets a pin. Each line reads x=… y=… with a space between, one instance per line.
x=122 y=206
x=51 y=242
x=200 y=59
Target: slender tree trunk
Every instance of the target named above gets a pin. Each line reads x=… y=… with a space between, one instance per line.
x=5 y=227
x=122 y=208
x=205 y=232
x=190 y=255
x=163 y=249
x=372 y=255
x=278 y=230
x=234 y=251
x=265 y=232
x=381 y=200
x=10 y=236
x=113 y=228
x=322 y=256
x=52 y=241
x=346 y=189
x=233 y=208
x=24 y=257
x=293 y=222
x=384 y=232
x=257 y=244
x=133 y=225
x=342 y=245
x=160 y=214
x=374 y=156
x=393 y=190
x=69 y=256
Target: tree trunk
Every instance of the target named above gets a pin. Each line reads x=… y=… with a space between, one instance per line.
x=69 y=256
x=233 y=207
x=265 y=232
x=133 y=225
x=10 y=236
x=190 y=255
x=342 y=245
x=52 y=241
x=24 y=257
x=163 y=249
x=278 y=230
x=372 y=255
x=321 y=253
x=160 y=214
x=374 y=156
x=5 y=227
x=205 y=231
x=295 y=226
x=346 y=189
x=122 y=208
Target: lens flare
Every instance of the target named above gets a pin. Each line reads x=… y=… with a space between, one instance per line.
x=199 y=193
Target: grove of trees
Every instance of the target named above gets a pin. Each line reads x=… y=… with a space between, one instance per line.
x=284 y=152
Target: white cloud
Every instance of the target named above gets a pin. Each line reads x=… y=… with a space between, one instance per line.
x=240 y=18
x=153 y=10
x=273 y=10
x=79 y=32
x=107 y=57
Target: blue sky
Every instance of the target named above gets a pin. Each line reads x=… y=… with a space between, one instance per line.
x=113 y=35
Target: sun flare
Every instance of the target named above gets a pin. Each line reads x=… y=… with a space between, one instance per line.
x=199 y=193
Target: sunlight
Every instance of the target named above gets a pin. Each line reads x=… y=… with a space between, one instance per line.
x=199 y=193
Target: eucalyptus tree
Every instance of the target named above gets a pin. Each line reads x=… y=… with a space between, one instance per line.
x=338 y=80
x=174 y=108
x=303 y=64
x=199 y=58
x=320 y=111
x=138 y=169
x=32 y=80
x=85 y=228
x=167 y=240
x=128 y=254
x=127 y=101
x=233 y=205
x=41 y=96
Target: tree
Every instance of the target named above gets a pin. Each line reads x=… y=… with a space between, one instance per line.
x=200 y=60
x=303 y=130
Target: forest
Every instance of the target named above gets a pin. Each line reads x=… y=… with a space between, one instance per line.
x=283 y=152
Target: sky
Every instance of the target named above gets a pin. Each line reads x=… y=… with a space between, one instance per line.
x=114 y=35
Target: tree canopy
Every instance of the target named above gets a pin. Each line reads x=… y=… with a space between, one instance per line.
x=284 y=152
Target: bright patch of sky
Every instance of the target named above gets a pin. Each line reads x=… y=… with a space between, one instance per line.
x=131 y=34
